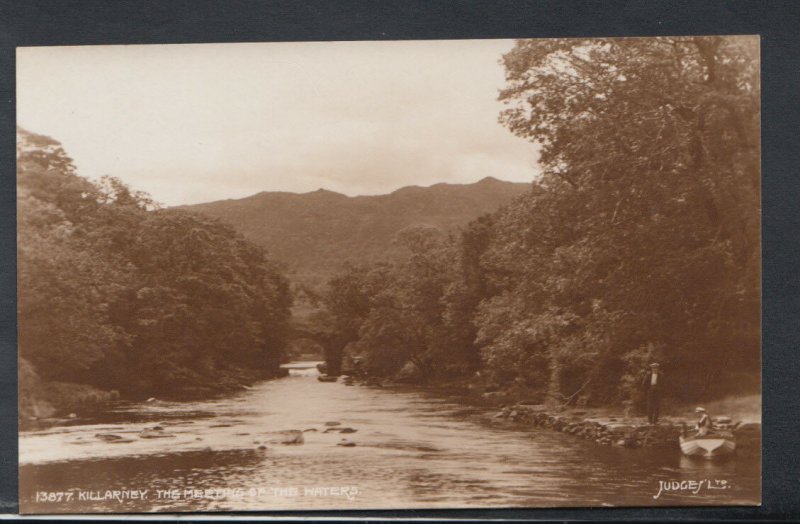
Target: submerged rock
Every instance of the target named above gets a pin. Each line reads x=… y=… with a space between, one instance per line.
x=340 y=430
x=291 y=436
x=155 y=433
x=333 y=423
x=346 y=443
x=112 y=438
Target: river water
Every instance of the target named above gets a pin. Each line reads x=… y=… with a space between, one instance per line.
x=412 y=450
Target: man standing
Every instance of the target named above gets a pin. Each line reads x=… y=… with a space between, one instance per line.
x=653 y=384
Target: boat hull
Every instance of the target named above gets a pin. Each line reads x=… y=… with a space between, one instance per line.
x=708 y=447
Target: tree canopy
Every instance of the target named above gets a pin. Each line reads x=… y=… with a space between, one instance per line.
x=116 y=293
x=640 y=240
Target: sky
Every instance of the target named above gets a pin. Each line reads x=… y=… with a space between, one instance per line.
x=202 y=122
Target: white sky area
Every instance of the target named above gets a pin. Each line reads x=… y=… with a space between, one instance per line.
x=202 y=122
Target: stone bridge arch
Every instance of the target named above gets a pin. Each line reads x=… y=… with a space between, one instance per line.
x=331 y=344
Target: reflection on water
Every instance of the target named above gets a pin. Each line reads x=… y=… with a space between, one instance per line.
x=411 y=450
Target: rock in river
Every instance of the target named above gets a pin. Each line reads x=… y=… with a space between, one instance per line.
x=107 y=436
x=291 y=436
x=155 y=433
x=340 y=430
x=112 y=438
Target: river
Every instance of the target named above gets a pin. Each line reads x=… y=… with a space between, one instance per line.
x=412 y=450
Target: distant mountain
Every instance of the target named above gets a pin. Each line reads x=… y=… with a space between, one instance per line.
x=315 y=234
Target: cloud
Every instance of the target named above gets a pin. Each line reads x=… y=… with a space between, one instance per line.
x=193 y=123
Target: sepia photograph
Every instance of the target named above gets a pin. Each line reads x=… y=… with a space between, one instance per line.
x=399 y=274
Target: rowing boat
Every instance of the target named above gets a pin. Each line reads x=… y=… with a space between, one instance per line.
x=709 y=446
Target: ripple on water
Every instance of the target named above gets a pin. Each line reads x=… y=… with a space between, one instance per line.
x=413 y=450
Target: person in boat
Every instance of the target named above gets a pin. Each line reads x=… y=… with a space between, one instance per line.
x=653 y=385
x=703 y=423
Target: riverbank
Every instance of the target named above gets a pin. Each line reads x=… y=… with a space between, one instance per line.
x=621 y=431
x=409 y=447
x=45 y=403
x=607 y=426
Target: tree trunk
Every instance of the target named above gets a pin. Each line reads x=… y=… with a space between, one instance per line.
x=554 y=383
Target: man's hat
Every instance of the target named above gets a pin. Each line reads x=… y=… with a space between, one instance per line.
x=699 y=410
x=654 y=365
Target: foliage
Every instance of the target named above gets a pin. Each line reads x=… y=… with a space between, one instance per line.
x=408 y=311
x=117 y=293
x=639 y=241
x=651 y=179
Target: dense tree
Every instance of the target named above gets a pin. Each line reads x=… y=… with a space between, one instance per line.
x=408 y=311
x=639 y=241
x=648 y=226
x=64 y=289
x=117 y=293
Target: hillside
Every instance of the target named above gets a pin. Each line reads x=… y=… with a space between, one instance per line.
x=317 y=233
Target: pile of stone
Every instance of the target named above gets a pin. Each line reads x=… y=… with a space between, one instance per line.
x=614 y=431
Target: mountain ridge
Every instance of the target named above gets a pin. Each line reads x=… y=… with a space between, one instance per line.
x=317 y=233
x=322 y=190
